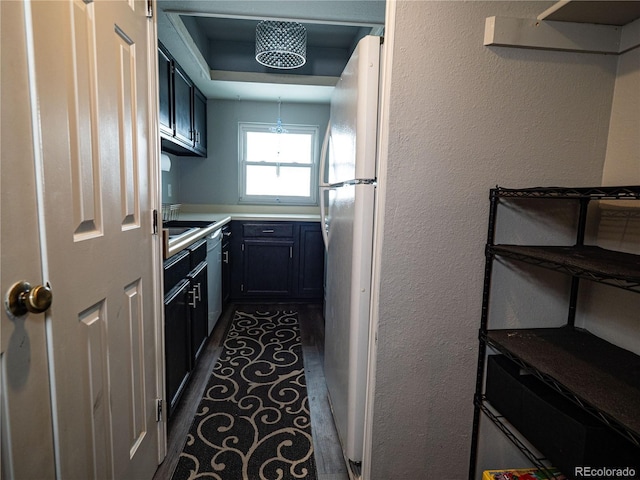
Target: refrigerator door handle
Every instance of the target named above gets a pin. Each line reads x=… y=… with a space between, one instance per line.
x=323 y=157
x=324 y=224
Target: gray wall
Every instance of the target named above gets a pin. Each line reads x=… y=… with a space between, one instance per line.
x=214 y=180
x=463 y=118
x=171 y=181
x=622 y=165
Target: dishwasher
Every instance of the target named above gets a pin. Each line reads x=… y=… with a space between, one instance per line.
x=214 y=277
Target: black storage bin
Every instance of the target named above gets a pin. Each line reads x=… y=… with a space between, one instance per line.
x=504 y=388
x=566 y=434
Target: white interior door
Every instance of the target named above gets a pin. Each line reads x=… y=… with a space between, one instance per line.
x=91 y=78
x=25 y=413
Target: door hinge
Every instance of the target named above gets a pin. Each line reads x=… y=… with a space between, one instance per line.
x=158 y=409
x=155 y=221
x=150 y=8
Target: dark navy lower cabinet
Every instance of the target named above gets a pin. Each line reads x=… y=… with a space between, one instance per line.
x=277 y=261
x=177 y=335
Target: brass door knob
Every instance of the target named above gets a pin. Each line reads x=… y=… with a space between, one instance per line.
x=23 y=298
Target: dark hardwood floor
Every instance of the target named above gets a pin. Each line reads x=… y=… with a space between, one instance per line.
x=328 y=455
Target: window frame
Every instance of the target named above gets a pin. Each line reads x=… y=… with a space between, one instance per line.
x=312 y=199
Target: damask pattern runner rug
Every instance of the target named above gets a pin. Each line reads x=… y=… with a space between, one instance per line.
x=253 y=421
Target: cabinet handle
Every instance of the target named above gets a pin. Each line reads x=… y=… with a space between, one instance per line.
x=268 y=231
x=225 y=257
x=199 y=288
x=192 y=303
x=290 y=252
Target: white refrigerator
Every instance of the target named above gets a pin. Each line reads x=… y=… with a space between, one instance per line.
x=347 y=191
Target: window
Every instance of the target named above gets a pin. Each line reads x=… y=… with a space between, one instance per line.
x=278 y=168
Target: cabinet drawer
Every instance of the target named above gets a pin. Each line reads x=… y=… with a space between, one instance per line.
x=280 y=230
x=176 y=268
x=198 y=252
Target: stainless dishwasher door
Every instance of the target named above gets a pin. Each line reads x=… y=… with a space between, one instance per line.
x=214 y=277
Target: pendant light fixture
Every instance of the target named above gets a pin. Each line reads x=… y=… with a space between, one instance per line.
x=278 y=128
x=281 y=45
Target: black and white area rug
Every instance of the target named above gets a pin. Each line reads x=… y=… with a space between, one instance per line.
x=253 y=421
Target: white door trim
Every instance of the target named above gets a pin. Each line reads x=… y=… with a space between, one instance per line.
x=386 y=61
x=156 y=200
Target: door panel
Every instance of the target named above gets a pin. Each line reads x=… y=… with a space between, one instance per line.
x=92 y=338
x=164 y=93
x=199 y=311
x=268 y=268
x=182 y=88
x=127 y=114
x=177 y=345
x=311 y=266
x=347 y=314
x=85 y=175
x=200 y=121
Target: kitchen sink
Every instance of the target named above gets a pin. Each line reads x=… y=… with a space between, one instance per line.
x=179 y=231
x=179 y=234
x=186 y=223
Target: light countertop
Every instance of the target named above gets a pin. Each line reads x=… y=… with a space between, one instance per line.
x=218 y=220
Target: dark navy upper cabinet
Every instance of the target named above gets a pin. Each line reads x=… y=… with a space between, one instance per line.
x=183 y=92
x=182 y=109
x=165 y=89
x=199 y=121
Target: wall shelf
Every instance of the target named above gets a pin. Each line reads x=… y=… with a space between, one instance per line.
x=605 y=27
x=618 y=269
x=607 y=12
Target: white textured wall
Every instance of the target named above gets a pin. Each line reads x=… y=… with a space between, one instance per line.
x=619 y=227
x=463 y=118
x=620 y=221
x=622 y=165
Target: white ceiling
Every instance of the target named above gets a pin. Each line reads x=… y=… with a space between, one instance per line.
x=214 y=42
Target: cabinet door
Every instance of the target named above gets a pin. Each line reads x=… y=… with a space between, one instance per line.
x=164 y=89
x=177 y=348
x=183 y=92
x=200 y=121
x=311 y=262
x=226 y=265
x=199 y=309
x=267 y=268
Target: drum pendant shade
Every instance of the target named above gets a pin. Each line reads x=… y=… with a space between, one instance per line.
x=281 y=45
